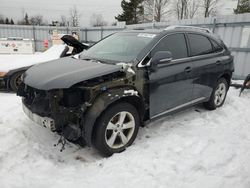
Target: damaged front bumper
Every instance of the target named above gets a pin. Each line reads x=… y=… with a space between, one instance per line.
x=59 y=110
x=43 y=121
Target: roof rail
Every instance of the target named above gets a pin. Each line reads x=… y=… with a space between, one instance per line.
x=188 y=27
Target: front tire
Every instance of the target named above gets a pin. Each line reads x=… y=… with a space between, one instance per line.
x=218 y=95
x=116 y=128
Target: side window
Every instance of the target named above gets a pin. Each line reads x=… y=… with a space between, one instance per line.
x=174 y=43
x=217 y=47
x=199 y=45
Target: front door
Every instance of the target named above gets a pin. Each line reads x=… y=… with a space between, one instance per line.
x=171 y=86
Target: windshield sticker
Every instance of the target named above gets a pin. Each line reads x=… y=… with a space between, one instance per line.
x=147 y=35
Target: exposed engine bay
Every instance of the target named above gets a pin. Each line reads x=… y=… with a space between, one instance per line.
x=64 y=110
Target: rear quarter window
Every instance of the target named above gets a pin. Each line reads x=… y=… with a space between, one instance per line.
x=216 y=47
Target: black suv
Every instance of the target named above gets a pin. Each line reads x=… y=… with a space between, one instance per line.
x=102 y=97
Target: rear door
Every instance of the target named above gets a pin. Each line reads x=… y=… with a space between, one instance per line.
x=171 y=85
x=206 y=60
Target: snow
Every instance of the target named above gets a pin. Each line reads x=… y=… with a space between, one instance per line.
x=10 y=62
x=131 y=92
x=194 y=148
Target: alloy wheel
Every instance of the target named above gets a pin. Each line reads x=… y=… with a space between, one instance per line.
x=120 y=130
x=220 y=94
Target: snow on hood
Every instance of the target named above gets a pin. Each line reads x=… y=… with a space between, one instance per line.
x=11 y=62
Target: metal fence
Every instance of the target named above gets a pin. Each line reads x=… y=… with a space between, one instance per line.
x=234 y=30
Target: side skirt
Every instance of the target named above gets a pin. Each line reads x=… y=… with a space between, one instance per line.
x=179 y=108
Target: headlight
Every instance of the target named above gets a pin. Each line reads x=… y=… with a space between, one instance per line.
x=2 y=74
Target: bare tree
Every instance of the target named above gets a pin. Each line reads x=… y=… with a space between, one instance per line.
x=185 y=9
x=74 y=17
x=159 y=8
x=181 y=9
x=36 y=20
x=97 y=20
x=210 y=7
x=63 y=21
x=193 y=7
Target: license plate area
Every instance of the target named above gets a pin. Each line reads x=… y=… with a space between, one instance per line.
x=43 y=121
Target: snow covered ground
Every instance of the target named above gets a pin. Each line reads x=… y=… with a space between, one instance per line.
x=195 y=148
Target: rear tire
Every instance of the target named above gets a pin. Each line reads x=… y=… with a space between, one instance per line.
x=116 y=128
x=15 y=81
x=218 y=95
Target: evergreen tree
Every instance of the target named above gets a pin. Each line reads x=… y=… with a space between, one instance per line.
x=11 y=22
x=7 y=21
x=243 y=7
x=1 y=19
x=26 y=19
x=132 y=11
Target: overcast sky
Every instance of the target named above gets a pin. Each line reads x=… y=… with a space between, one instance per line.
x=53 y=9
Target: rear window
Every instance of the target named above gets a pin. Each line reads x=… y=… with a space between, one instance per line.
x=199 y=44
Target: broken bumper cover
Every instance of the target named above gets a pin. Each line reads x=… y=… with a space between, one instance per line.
x=43 y=121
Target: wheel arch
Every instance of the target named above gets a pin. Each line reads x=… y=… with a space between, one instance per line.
x=11 y=73
x=105 y=101
x=228 y=77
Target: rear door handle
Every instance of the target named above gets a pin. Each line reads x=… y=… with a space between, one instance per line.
x=188 y=69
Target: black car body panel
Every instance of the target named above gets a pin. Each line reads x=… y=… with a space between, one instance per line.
x=170 y=86
x=187 y=81
x=65 y=72
x=78 y=91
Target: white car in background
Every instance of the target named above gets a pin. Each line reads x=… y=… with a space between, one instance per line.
x=13 y=66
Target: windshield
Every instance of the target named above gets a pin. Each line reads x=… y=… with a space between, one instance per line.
x=120 y=47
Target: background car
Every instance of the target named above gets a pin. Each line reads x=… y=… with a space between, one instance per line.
x=11 y=67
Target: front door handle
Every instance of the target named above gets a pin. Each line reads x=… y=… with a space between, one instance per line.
x=188 y=69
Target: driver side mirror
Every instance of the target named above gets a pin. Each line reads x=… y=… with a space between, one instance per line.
x=160 y=57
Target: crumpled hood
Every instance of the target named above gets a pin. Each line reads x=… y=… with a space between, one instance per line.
x=65 y=72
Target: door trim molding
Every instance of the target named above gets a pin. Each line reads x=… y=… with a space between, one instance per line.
x=179 y=107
